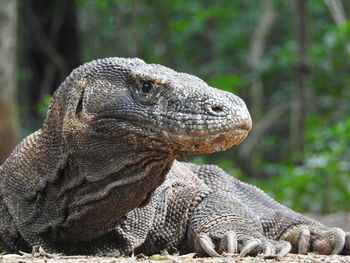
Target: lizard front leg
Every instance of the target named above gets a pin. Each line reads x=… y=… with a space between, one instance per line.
x=195 y=219
x=222 y=223
x=278 y=221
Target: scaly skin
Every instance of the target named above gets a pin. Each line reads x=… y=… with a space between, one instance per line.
x=100 y=177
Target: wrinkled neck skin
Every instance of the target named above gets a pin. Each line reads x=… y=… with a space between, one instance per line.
x=106 y=177
x=81 y=190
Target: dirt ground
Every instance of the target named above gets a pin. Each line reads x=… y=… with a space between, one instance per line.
x=175 y=259
x=341 y=219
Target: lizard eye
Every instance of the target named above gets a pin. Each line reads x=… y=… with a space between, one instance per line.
x=146 y=92
x=146 y=87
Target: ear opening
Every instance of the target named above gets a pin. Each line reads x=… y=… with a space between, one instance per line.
x=80 y=104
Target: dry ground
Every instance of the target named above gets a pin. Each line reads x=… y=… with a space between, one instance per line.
x=341 y=219
x=175 y=259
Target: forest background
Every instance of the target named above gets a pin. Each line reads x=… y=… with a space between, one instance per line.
x=289 y=60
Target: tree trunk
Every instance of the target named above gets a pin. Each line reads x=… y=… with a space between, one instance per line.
x=257 y=49
x=8 y=41
x=52 y=52
x=298 y=113
x=338 y=13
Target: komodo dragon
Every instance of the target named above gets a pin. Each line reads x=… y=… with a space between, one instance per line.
x=101 y=176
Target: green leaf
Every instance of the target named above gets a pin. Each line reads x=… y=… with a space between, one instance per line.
x=158 y=257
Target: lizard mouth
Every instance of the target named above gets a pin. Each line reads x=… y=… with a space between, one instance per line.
x=208 y=143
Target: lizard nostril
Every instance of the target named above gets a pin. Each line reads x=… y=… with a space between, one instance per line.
x=216 y=109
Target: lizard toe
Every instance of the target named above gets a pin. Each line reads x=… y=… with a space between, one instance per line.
x=232 y=243
x=299 y=238
x=327 y=242
x=283 y=248
x=316 y=238
x=303 y=240
x=268 y=248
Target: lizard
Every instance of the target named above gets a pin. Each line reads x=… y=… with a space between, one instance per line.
x=102 y=177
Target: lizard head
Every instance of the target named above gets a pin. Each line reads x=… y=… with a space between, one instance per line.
x=156 y=107
x=184 y=111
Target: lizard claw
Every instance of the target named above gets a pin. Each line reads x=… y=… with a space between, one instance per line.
x=207 y=245
x=303 y=240
x=229 y=242
x=340 y=237
x=346 y=250
x=250 y=248
x=269 y=250
x=284 y=249
x=299 y=237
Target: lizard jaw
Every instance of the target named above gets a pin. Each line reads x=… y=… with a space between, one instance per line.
x=220 y=141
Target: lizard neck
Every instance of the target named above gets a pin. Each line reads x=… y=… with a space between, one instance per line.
x=82 y=188
x=105 y=181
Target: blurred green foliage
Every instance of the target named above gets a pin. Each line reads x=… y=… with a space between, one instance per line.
x=43 y=106
x=211 y=39
x=322 y=183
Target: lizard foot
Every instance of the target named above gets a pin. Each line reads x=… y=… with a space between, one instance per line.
x=231 y=243
x=319 y=239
